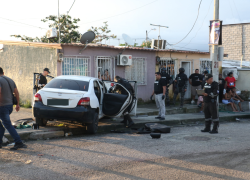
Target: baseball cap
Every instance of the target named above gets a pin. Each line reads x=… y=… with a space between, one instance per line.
x=208 y=76
x=46 y=69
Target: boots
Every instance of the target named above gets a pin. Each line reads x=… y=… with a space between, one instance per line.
x=124 y=121
x=130 y=121
x=215 y=128
x=207 y=126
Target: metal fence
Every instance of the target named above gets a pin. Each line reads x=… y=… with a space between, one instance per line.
x=205 y=65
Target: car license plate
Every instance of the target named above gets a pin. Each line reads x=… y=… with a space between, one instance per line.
x=57 y=102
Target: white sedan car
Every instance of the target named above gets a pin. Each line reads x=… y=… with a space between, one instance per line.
x=80 y=98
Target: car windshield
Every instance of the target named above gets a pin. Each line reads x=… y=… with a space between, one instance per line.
x=68 y=84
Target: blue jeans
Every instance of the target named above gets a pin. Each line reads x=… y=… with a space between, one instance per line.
x=5 y=112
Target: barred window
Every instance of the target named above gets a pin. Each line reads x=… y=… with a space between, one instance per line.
x=76 y=66
x=205 y=65
x=137 y=71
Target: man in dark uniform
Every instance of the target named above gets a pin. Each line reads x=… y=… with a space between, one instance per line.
x=160 y=91
x=128 y=86
x=168 y=80
x=181 y=86
x=210 y=105
x=221 y=87
x=42 y=81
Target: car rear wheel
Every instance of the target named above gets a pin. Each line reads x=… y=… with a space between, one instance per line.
x=41 y=121
x=93 y=127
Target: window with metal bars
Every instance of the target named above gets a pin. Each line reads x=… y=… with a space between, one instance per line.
x=205 y=65
x=137 y=71
x=169 y=64
x=104 y=66
x=76 y=66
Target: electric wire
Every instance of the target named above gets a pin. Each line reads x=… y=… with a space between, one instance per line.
x=21 y=23
x=231 y=10
x=119 y=14
x=236 y=9
x=191 y=28
x=202 y=24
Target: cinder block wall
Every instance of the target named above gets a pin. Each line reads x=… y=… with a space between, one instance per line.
x=20 y=62
x=236 y=41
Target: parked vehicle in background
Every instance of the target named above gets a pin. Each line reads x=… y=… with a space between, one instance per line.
x=80 y=98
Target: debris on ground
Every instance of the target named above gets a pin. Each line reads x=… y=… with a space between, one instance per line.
x=28 y=162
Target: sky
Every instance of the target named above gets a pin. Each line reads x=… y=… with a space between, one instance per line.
x=132 y=17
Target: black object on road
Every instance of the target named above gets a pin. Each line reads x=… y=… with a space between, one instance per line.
x=157 y=128
x=155 y=135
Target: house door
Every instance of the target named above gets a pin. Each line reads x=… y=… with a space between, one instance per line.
x=187 y=66
x=105 y=69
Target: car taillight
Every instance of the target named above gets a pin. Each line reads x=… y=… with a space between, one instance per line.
x=84 y=101
x=112 y=84
x=37 y=97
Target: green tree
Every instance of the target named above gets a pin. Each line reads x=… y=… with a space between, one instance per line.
x=68 y=29
x=102 y=33
x=146 y=44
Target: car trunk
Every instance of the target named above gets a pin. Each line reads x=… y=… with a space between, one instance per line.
x=61 y=98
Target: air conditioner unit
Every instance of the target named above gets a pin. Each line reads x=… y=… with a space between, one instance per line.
x=225 y=72
x=162 y=44
x=124 y=60
x=51 y=33
x=60 y=57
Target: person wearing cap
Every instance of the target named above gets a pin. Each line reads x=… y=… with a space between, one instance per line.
x=181 y=86
x=42 y=80
x=204 y=81
x=168 y=80
x=210 y=105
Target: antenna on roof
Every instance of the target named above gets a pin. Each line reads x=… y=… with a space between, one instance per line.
x=127 y=39
x=86 y=38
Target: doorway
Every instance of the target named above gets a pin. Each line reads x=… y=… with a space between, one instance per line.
x=187 y=66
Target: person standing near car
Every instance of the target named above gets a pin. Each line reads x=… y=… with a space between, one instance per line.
x=180 y=86
x=7 y=89
x=160 y=91
x=128 y=86
x=230 y=81
x=210 y=105
x=42 y=80
x=195 y=81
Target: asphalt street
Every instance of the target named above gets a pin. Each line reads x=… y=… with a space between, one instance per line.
x=185 y=153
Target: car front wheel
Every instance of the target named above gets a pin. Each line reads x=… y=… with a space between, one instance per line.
x=93 y=127
x=41 y=121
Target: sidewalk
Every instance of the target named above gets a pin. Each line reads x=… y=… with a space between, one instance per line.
x=145 y=114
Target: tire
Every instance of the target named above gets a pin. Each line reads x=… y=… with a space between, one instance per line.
x=41 y=121
x=93 y=127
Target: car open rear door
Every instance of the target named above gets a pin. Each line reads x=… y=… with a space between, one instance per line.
x=114 y=104
x=134 y=100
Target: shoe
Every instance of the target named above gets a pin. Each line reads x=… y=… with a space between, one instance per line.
x=207 y=126
x=130 y=124
x=18 y=145
x=192 y=102
x=157 y=117
x=161 y=119
x=242 y=111
x=215 y=128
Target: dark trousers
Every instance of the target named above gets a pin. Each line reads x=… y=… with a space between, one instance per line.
x=221 y=94
x=210 y=111
x=5 y=112
x=180 y=90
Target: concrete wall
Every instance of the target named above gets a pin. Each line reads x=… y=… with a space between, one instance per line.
x=20 y=62
x=243 y=82
x=236 y=41
x=144 y=91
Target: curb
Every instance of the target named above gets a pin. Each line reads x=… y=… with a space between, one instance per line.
x=51 y=132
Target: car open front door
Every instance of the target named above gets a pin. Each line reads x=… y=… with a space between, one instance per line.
x=114 y=104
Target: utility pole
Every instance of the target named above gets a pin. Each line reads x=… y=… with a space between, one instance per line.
x=214 y=49
x=59 y=28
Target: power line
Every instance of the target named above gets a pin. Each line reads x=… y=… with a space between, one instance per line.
x=192 y=27
x=231 y=9
x=22 y=23
x=236 y=9
x=120 y=14
x=202 y=23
